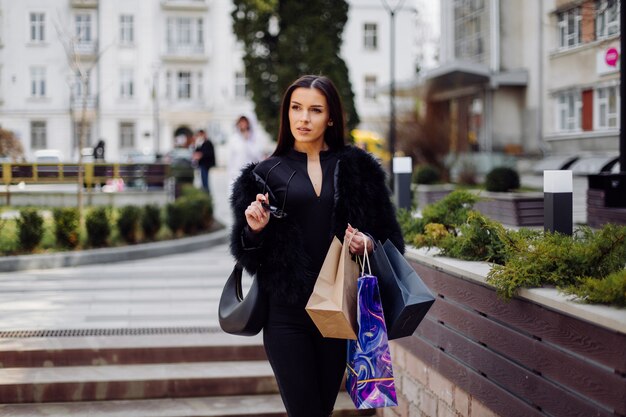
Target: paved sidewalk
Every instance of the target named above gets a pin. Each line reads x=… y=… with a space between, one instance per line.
x=179 y=290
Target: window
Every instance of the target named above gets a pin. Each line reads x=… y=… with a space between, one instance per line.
x=38 y=135
x=83 y=28
x=241 y=85
x=127 y=89
x=370 y=87
x=185 y=35
x=607 y=108
x=78 y=128
x=570 y=28
x=37 y=82
x=78 y=86
x=168 y=84
x=37 y=27
x=200 y=82
x=370 y=36
x=470 y=30
x=607 y=18
x=127 y=135
x=184 y=85
x=127 y=30
x=569 y=111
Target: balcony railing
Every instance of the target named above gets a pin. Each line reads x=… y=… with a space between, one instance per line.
x=84 y=4
x=77 y=102
x=185 y=4
x=195 y=52
x=86 y=48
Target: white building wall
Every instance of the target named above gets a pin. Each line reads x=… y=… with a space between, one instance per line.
x=215 y=109
x=362 y=62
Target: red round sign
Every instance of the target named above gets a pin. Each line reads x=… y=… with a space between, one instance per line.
x=611 y=57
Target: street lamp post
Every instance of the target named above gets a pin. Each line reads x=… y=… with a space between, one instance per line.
x=155 y=97
x=392 y=9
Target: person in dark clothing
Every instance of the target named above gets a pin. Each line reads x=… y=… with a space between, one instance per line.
x=98 y=151
x=286 y=210
x=204 y=156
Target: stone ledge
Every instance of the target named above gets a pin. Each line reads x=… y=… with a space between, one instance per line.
x=117 y=254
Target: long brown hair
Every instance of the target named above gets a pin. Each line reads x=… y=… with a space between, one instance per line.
x=333 y=135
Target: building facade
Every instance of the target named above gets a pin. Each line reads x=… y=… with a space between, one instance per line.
x=142 y=74
x=582 y=77
x=536 y=77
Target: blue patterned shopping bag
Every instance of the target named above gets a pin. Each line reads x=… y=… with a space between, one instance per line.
x=370 y=380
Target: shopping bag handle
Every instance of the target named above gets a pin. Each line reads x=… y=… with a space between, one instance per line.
x=366 y=258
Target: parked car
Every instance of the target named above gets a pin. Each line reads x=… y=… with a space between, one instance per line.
x=48 y=156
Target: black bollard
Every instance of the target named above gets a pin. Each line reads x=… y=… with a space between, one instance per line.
x=558 y=201
x=402 y=168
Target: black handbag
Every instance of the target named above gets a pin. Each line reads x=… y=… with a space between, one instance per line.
x=238 y=315
x=404 y=296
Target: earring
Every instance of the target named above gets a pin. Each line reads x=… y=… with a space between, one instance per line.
x=330 y=123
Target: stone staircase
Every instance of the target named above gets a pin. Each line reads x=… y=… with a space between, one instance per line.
x=193 y=374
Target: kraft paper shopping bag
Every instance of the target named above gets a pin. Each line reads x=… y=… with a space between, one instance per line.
x=332 y=305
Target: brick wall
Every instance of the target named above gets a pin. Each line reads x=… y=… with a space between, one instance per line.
x=423 y=392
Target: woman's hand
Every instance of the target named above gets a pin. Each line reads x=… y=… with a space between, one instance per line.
x=359 y=241
x=256 y=216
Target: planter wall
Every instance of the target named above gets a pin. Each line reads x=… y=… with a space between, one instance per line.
x=536 y=355
x=514 y=209
x=598 y=214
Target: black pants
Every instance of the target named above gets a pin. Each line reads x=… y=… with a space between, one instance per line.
x=308 y=367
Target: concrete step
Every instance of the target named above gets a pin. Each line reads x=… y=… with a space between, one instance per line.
x=267 y=405
x=142 y=381
x=32 y=352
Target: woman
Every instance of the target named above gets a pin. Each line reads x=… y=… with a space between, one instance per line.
x=244 y=146
x=286 y=211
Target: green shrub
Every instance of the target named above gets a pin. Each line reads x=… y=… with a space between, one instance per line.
x=66 y=227
x=537 y=259
x=175 y=216
x=151 y=221
x=128 y=223
x=191 y=213
x=426 y=174
x=29 y=229
x=478 y=239
x=98 y=225
x=608 y=290
x=502 y=179
x=450 y=212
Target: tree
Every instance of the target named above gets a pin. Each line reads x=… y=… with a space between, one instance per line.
x=10 y=146
x=286 y=39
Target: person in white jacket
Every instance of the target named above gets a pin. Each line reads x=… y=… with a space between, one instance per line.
x=245 y=146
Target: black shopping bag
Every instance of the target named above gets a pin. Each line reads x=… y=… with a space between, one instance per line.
x=405 y=297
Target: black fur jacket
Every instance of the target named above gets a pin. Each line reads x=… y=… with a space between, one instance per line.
x=361 y=198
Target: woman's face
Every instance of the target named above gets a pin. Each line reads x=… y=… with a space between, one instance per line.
x=243 y=125
x=308 y=115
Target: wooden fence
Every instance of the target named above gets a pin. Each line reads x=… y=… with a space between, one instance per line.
x=145 y=175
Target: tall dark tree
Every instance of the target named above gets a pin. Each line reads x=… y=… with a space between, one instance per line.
x=285 y=39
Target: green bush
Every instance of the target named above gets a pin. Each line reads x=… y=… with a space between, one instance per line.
x=128 y=223
x=426 y=174
x=151 y=221
x=537 y=259
x=98 y=225
x=502 y=179
x=29 y=229
x=191 y=213
x=450 y=212
x=66 y=227
x=608 y=290
x=175 y=216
